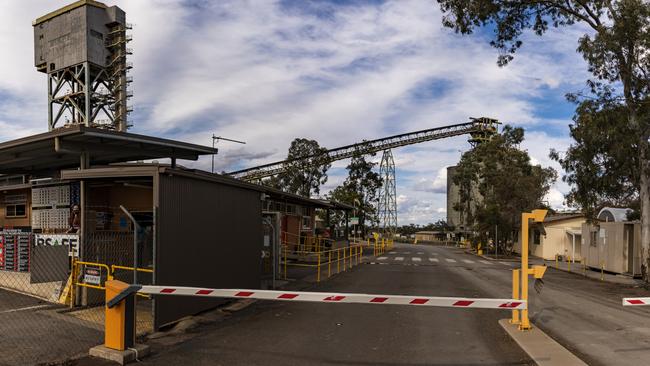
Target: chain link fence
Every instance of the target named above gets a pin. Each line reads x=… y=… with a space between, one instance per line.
x=52 y=285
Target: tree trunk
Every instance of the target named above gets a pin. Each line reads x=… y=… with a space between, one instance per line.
x=644 y=196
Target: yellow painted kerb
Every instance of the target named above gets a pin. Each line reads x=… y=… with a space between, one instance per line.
x=68 y=8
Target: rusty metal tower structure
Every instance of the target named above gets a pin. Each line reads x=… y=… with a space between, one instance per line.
x=387 y=204
x=82 y=48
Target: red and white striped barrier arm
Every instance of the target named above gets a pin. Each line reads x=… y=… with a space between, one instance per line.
x=328 y=297
x=636 y=301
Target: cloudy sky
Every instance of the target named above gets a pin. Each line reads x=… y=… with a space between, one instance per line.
x=338 y=72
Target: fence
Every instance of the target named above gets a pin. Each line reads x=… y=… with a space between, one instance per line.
x=321 y=255
x=52 y=296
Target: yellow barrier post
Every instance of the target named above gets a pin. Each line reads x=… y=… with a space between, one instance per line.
x=119 y=326
x=318 y=268
x=569 y=264
x=515 y=295
x=329 y=263
x=557 y=265
x=536 y=216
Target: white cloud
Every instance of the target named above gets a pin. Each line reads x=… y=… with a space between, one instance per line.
x=264 y=73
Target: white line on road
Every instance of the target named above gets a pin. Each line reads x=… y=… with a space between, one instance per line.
x=450 y=260
x=420 y=253
x=382 y=258
x=506 y=263
x=433 y=259
x=399 y=258
x=485 y=262
x=25 y=308
x=416 y=259
x=468 y=261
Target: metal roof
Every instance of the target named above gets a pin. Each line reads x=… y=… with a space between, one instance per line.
x=613 y=214
x=62 y=148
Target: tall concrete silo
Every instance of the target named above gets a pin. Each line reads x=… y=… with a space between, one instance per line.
x=82 y=49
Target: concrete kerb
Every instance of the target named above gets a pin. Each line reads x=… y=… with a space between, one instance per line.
x=541 y=348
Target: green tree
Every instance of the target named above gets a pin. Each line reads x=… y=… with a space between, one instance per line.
x=502 y=183
x=360 y=189
x=305 y=169
x=601 y=166
x=616 y=49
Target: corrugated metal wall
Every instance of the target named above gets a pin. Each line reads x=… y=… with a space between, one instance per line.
x=209 y=235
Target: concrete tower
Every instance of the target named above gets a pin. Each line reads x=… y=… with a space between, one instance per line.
x=82 y=49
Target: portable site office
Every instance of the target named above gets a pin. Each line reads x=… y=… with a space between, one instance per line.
x=197 y=228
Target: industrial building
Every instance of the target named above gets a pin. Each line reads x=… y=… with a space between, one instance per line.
x=613 y=243
x=65 y=193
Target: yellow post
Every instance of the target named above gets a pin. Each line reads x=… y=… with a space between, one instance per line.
x=569 y=264
x=557 y=265
x=329 y=263
x=537 y=216
x=515 y=295
x=318 y=268
x=119 y=327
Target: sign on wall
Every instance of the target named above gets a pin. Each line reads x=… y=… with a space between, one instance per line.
x=69 y=240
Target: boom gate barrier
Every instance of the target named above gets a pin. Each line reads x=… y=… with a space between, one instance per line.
x=119 y=309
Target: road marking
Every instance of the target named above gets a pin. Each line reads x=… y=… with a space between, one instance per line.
x=485 y=262
x=420 y=253
x=450 y=260
x=416 y=259
x=405 y=252
x=399 y=258
x=25 y=308
x=433 y=259
x=468 y=261
x=382 y=258
x=506 y=263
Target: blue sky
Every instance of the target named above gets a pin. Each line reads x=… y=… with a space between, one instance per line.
x=336 y=71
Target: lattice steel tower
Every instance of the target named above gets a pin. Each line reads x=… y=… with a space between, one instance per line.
x=82 y=49
x=387 y=205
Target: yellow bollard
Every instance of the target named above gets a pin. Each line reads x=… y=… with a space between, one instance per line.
x=557 y=264
x=515 y=295
x=569 y=264
x=329 y=264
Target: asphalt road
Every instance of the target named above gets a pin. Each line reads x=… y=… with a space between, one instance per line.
x=274 y=333
x=32 y=332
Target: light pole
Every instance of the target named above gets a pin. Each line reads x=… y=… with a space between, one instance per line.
x=217 y=138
